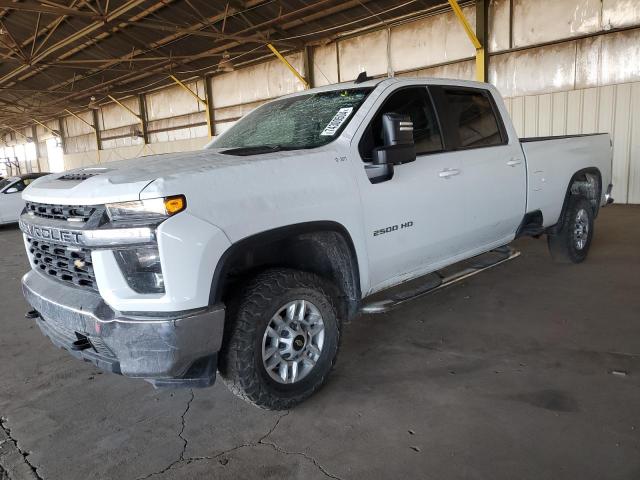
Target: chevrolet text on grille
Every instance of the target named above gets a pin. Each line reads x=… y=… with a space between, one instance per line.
x=107 y=237
x=48 y=233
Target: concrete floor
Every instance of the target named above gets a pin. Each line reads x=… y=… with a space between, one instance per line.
x=508 y=375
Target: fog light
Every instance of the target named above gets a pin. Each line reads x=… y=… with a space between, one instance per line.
x=141 y=268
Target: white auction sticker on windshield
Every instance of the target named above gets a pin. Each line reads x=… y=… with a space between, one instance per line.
x=337 y=120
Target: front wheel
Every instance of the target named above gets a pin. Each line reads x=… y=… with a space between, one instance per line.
x=571 y=243
x=282 y=340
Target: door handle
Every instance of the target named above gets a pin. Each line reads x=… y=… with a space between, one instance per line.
x=448 y=172
x=514 y=161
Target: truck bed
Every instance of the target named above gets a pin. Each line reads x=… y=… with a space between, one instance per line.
x=553 y=161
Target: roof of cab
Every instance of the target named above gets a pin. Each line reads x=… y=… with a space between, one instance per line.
x=372 y=83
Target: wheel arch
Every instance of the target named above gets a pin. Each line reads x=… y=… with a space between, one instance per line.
x=581 y=183
x=321 y=247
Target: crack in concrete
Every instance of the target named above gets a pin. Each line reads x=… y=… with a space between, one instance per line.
x=7 y=431
x=182 y=418
x=185 y=442
x=313 y=460
x=262 y=441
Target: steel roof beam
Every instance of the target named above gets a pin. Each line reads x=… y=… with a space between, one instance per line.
x=49 y=7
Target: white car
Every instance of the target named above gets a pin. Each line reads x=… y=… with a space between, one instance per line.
x=247 y=257
x=11 y=202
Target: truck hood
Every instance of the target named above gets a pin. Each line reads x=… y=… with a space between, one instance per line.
x=124 y=180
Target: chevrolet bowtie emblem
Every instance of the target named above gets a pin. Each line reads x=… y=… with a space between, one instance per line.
x=79 y=263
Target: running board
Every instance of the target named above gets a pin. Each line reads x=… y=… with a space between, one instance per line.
x=396 y=296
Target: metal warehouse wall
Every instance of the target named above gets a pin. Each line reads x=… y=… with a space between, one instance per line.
x=564 y=66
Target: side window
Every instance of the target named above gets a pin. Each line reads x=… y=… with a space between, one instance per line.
x=416 y=103
x=473 y=118
x=19 y=185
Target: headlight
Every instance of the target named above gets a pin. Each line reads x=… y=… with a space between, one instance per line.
x=141 y=267
x=148 y=211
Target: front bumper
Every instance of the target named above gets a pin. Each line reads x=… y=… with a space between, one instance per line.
x=166 y=349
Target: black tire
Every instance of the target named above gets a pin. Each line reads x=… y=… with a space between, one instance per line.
x=564 y=245
x=240 y=363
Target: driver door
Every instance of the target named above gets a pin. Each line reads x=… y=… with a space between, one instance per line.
x=414 y=221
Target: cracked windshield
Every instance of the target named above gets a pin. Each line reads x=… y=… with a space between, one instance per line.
x=305 y=121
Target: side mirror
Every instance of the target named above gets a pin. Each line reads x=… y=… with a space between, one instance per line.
x=397 y=134
x=11 y=190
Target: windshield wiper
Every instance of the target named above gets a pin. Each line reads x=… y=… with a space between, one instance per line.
x=256 y=150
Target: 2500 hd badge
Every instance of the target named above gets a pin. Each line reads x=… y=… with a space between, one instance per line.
x=393 y=228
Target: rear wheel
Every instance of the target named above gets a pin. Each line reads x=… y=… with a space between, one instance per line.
x=282 y=339
x=571 y=243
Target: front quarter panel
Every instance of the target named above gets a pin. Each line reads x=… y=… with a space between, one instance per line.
x=273 y=191
x=189 y=252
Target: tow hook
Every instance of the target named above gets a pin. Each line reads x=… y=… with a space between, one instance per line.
x=81 y=344
x=32 y=314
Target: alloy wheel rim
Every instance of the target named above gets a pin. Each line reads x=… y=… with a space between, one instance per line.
x=581 y=229
x=292 y=342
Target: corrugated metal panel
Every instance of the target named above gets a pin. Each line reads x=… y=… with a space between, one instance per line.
x=620 y=13
x=73 y=127
x=622 y=141
x=430 y=41
x=538 y=70
x=182 y=127
x=80 y=143
x=499 y=25
x=44 y=133
x=113 y=115
x=227 y=116
x=325 y=65
x=459 y=70
x=174 y=101
x=128 y=141
x=634 y=147
x=620 y=57
x=559 y=113
x=363 y=53
x=258 y=82
x=613 y=109
x=590 y=102
x=547 y=20
x=544 y=124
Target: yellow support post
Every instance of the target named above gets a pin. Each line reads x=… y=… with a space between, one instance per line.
x=288 y=65
x=201 y=100
x=480 y=73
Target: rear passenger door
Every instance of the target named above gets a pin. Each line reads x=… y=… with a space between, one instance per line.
x=492 y=166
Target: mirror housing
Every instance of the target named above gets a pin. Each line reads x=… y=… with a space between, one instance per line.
x=11 y=190
x=399 y=148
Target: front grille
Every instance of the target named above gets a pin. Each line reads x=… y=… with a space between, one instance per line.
x=71 y=265
x=79 y=213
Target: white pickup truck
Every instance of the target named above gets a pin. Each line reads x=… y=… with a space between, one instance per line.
x=247 y=257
